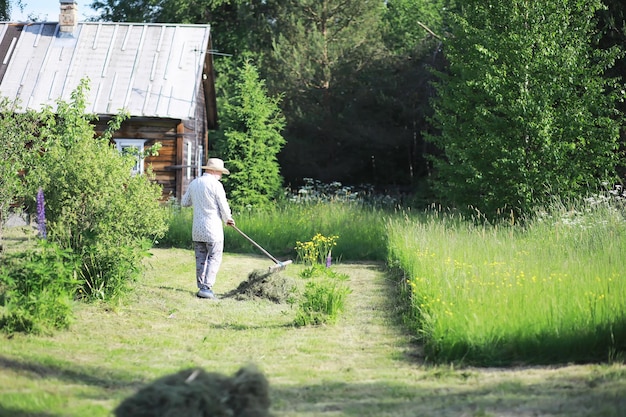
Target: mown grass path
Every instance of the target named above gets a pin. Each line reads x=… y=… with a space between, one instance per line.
x=365 y=365
x=374 y=370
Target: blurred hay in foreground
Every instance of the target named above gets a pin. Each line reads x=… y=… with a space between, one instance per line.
x=197 y=393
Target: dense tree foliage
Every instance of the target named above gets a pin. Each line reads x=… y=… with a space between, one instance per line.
x=524 y=111
x=356 y=85
x=612 y=29
x=5 y=10
x=408 y=22
x=127 y=10
x=323 y=51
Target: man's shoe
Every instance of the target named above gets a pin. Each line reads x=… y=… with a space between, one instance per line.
x=206 y=293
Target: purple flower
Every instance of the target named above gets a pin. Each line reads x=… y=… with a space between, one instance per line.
x=329 y=259
x=41 y=214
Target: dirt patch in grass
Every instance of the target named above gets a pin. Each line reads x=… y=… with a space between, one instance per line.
x=274 y=286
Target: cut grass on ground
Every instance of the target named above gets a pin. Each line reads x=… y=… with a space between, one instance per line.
x=365 y=365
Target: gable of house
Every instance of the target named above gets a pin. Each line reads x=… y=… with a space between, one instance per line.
x=150 y=70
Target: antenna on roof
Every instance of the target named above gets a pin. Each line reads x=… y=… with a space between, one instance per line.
x=214 y=52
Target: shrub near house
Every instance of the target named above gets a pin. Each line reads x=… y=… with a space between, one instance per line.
x=100 y=220
x=102 y=212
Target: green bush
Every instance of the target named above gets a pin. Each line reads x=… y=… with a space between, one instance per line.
x=18 y=139
x=107 y=270
x=94 y=205
x=324 y=297
x=38 y=288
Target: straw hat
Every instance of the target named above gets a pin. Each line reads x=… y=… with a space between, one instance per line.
x=215 y=164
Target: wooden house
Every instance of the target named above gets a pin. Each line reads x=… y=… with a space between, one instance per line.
x=160 y=74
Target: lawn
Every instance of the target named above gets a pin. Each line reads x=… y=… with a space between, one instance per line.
x=367 y=364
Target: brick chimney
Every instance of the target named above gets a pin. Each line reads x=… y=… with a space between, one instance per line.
x=68 y=18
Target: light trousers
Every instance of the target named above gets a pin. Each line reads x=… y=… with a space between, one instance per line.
x=208 y=261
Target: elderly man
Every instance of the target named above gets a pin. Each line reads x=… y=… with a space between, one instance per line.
x=210 y=210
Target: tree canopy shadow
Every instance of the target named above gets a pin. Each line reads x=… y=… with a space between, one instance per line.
x=94 y=376
x=12 y=412
x=558 y=395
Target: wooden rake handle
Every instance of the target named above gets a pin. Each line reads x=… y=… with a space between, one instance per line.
x=276 y=261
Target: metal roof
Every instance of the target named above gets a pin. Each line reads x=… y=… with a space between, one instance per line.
x=150 y=70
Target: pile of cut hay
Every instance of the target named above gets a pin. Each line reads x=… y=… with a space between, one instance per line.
x=197 y=393
x=273 y=286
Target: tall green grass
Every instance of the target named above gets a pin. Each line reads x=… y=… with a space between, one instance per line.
x=360 y=229
x=179 y=221
x=553 y=290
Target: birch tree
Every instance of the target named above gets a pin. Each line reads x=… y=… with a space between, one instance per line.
x=524 y=111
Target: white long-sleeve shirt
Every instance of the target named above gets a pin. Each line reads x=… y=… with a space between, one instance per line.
x=210 y=208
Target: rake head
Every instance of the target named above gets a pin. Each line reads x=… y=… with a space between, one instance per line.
x=279 y=266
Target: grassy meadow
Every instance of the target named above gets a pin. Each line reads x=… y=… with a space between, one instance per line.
x=551 y=289
x=365 y=365
x=436 y=302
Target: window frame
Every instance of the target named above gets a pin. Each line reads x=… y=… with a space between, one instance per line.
x=139 y=144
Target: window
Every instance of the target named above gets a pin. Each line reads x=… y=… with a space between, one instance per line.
x=199 y=161
x=189 y=160
x=135 y=147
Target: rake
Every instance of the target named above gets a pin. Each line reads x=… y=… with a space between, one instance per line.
x=280 y=265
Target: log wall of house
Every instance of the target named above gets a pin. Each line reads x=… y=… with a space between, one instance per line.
x=168 y=165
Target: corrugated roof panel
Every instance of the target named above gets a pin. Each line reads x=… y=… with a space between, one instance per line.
x=150 y=70
x=174 y=72
x=121 y=69
x=22 y=66
x=158 y=98
x=48 y=81
x=89 y=59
